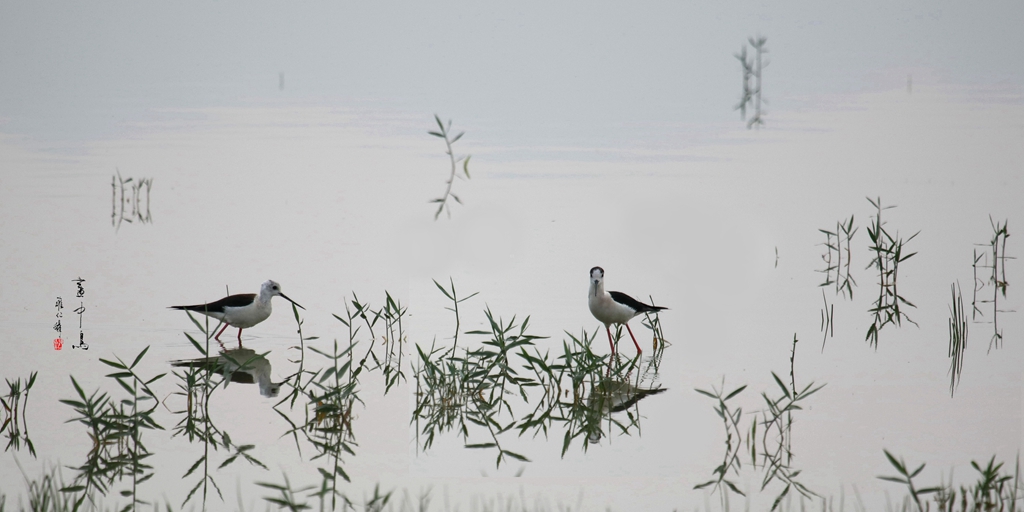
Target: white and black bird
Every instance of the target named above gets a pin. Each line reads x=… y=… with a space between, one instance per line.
x=240 y=365
x=243 y=310
x=615 y=307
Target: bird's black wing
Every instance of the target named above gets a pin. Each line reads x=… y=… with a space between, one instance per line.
x=231 y=301
x=637 y=306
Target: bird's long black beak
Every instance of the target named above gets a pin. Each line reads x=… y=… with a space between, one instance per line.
x=290 y=300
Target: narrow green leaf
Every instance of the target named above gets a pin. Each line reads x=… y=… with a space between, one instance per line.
x=117 y=365
x=139 y=357
x=736 y=392
x=515 y=456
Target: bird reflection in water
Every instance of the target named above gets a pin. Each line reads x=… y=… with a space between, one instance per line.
x=611 y=395
x=242 y=365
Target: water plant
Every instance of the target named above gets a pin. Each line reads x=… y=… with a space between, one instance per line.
x=474 y=387
x=957 y=337
x=733 y=441
x=115 y=428
x=453 y=296
x=449 y=140
x=482 y=389
x=888 y=255
x=838 y=256
x=996 y=278
x=197 y=382
x=777 y=433
x=770 y=449
x=14 y=423
x=906 y=477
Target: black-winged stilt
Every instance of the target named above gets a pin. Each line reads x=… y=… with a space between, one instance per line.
x=242 y=365
x=243 y=310
x=614 y=307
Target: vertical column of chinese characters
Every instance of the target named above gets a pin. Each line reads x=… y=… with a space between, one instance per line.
x=58 y=343
x=80 y=309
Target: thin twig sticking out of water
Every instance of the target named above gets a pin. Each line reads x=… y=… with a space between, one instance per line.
x=445 y=134
x=888 y=254
x=957 y=337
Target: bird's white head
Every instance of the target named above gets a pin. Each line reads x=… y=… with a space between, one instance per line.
x=596 y=278
x=271 y=288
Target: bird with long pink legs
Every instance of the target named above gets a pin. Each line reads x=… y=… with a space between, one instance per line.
x=243 y=310
x=615 y=307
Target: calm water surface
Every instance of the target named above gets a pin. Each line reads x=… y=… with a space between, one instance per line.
x=333 y=202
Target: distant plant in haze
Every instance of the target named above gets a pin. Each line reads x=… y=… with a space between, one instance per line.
x=752 y=72
x=449 y=140
x=127 y=205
